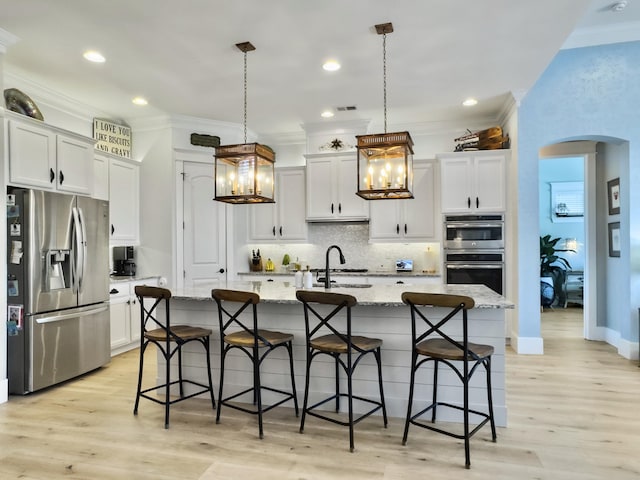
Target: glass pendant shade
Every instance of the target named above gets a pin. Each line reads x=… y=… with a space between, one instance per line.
x=244 y=173
x=385 y=166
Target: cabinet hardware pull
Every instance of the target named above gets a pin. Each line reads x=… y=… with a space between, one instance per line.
x=221 y=270
x=61 y=177
x=468 y=202
x=274 y=230
x=112 y=229
x=52 y=175
x=405 y=228
x=477 y=202
x=332 y=208
x=339 y=208
x=280 y=230
x=398 y=228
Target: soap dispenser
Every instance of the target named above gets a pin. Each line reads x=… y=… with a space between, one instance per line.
x=297 y=278
x=308 y=278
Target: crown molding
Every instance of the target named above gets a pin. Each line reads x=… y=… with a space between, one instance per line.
x=603 y=35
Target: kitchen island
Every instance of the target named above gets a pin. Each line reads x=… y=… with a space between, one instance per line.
x=380 y=313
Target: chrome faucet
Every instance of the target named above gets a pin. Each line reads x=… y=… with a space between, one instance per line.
x=327 y=280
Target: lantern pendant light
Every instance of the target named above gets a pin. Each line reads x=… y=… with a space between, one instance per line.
x=385 y=160
x=244 y=173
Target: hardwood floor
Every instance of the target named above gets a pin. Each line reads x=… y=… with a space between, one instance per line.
x=574 y=413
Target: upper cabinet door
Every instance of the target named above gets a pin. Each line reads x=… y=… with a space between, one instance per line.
x=490 y=183
x=124 y=194
x=291 y=223
x=455 y=180
x=321 y=204
x=75 y=165
x=350 y=205
x=32 y=156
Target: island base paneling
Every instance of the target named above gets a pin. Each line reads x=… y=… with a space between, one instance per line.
x=391 y=324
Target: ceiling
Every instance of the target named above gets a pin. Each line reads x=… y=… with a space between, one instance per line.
x=181 y=56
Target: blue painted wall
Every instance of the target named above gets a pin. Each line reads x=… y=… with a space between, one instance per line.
x=590 y=93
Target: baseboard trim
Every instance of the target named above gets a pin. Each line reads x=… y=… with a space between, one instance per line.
x=528 y=345
x=4 y=390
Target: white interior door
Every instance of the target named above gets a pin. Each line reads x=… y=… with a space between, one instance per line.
x=204 y=228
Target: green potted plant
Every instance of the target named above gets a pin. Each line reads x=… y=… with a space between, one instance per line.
x=554 y=267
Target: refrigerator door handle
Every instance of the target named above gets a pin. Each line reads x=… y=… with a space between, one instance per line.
x=83 y=261
x=58 y=317
x=78 y=252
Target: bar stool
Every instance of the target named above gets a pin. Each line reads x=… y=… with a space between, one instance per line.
x=156 y=328
x=245 y=336
x=441 y=348
x=336 y=344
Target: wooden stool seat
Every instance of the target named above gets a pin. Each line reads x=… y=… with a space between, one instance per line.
x=440 y=348
x=265 y=338
x=335 y=344
x=184 y=332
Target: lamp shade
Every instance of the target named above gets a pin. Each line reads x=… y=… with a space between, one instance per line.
x=385 y=166
x=244 y=173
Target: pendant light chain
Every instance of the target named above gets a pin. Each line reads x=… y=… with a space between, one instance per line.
x=384 y=75
x=245 y=97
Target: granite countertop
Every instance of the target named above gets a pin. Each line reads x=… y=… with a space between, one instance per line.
x=377 y=295
x=368 y=273
x=129 y=278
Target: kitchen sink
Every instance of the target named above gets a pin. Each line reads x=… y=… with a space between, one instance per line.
x=345 y=285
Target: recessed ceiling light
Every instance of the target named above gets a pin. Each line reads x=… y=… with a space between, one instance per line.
x=327 y=114
x=619 y=6
x=331 y=66
x=139 y=101
x=94 y=56
x=470 y=102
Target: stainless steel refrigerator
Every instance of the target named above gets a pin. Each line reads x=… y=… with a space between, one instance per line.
x=57 y=287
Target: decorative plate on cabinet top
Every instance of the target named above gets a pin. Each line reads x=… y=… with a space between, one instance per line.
x=16 y=101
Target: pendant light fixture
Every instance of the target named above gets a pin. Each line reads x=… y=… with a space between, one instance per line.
x=385 y=160
x=244 y=173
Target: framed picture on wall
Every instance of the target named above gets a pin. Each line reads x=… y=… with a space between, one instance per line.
x=614 y=239
x=613 y=194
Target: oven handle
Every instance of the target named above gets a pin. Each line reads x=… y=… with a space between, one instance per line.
x=483 y=266
x=482 y=225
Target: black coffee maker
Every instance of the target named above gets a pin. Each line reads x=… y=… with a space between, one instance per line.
x=124 y=261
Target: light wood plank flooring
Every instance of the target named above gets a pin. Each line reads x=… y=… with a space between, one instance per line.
x=574 y=413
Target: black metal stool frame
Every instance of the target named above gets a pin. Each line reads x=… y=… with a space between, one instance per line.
x=459 y=305
x=348 y=367
x=253 y=355
x=148 y=315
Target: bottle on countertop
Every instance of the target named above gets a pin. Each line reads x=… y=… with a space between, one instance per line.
x=297 y=279
x=308 y=278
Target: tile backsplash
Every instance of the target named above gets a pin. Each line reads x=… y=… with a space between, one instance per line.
x=353 y=240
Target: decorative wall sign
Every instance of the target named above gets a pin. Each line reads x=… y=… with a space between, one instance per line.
x=613 y=194
x=614 y=239
x=112 y=137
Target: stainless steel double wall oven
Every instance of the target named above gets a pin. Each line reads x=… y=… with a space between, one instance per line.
x=474 y=250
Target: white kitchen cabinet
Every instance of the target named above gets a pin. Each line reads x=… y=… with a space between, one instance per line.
x=331 y=188
x=412 y=220
x=100 y=177
x=285 y=219
x=125 y=315
x=124 y=202
x=47 y=158
x=473 y=182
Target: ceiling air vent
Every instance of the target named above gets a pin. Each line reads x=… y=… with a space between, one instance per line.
x=346 y=109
